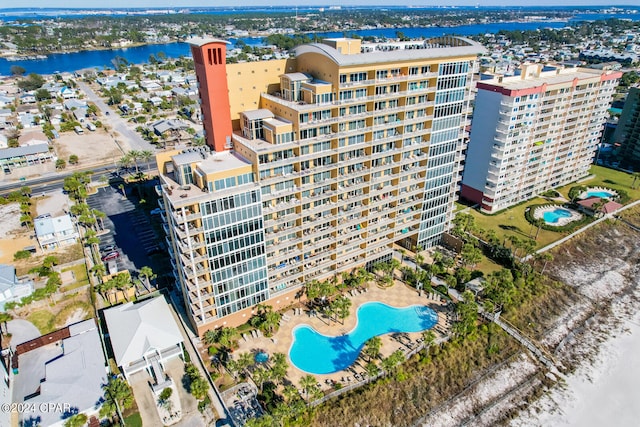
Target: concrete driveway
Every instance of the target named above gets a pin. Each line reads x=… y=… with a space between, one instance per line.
x=144 y=398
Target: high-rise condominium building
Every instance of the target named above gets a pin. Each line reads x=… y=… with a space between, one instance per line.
x=533 y=132
x=627 y=134
x=315 y=165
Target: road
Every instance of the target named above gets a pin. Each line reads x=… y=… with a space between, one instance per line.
x=55 y=180
x=117 y=123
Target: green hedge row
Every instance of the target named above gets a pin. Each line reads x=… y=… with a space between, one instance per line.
x=528 y=214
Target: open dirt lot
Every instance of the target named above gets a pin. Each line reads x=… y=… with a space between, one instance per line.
x=13 y=236
x=90 y=147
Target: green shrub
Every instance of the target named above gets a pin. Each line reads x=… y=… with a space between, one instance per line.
x=21 y=255
x=528 y=214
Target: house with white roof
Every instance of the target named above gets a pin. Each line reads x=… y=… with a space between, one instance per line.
x=62 y=375
x=6 y=101
x=12 y=288
x=143 y=336
x=53 y=232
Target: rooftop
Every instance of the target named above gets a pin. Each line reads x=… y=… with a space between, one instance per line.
x=74 y=378
x=403 y=51
x=138 y=329
x=52 y=225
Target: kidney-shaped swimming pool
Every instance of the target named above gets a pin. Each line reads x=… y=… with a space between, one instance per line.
x=321 y=354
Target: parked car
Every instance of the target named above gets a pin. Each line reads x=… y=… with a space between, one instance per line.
x=156 y=211
x=111 y=255
x=108 y=248
x=153 y=251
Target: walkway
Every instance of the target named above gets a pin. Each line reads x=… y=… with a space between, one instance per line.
x=543 y=356
x=216 y=399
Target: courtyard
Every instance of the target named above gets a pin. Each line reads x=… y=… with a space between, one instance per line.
x=399 y=296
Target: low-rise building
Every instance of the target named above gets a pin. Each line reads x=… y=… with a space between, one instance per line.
x=12 y=158
x=60 y=374
x=11 y=287
x=53 y=232
x=143 y=335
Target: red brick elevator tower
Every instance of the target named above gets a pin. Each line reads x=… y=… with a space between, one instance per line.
x=209 y=57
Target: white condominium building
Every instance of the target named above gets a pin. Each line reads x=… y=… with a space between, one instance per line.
x=533 y=132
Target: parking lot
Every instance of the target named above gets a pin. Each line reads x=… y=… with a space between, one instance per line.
x=129 y=230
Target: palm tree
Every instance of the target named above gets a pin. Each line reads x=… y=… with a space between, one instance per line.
x=25 y=219
x=210 y=337
x=372 y=348
x=245 y=360
x=260 y=376
x=372 y=370
x=309 y=385
x=4 y=318
x=135 y=156
x=100 y=216
x=199 y=388
x=99 y=270
x=342 y=305
x=117 y=397
x=546 y=257
x=148 y=275
x=145 y=156
x=227 y=336
x=279 y=367
x=126 y=161
x=77 y=420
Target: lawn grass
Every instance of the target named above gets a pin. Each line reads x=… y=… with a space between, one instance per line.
x=487 y=266
x=606 y=177
x=61 y=318
x=511 y=222
x=80 y=274
x=133 y=420
x=43 y=320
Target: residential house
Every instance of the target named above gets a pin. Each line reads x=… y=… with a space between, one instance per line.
x=6 y=101
x=28 y=98
x=11 y=287
x=143 y=335
x=70 y=104
x=34 y=137
x=28 y=120
x=53 y=232
x=150 y=85
x=65 y=369
x=68 y=93
x=165 y=127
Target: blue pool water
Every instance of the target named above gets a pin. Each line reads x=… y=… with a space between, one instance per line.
x=552 y=217
x=601 y=194
x=320 y=354
x=261 y=357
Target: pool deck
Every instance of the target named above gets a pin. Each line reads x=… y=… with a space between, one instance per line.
x=399 y=295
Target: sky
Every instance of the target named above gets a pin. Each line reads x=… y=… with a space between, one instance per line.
x=187 y=3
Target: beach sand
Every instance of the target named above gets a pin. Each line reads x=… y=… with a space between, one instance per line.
x=603 y=392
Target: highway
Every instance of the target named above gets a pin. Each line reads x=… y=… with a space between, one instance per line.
x=55 y=181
